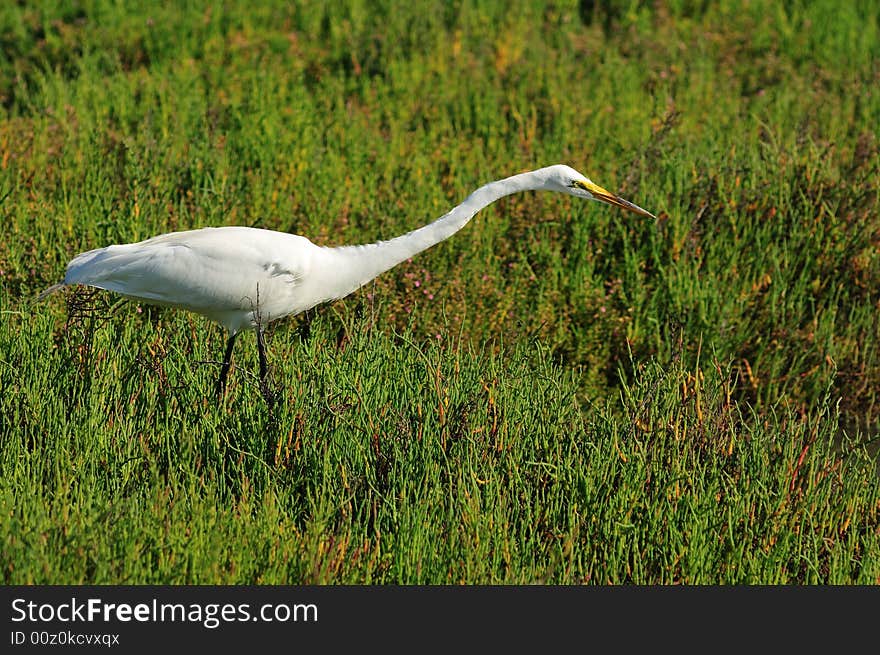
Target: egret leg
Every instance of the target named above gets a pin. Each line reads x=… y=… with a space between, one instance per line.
x=261 y=351
x=264 y=370
x=227 y=360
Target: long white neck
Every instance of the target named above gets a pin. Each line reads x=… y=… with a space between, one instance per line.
x=357 y=265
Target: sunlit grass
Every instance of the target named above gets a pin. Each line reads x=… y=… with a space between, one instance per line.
x=561 y=393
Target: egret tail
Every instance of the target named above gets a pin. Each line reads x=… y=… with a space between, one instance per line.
x=48 y=292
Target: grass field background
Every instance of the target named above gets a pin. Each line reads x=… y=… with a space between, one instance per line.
x=561 y=393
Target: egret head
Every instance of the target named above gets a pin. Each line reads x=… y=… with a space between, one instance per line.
x=567 y=180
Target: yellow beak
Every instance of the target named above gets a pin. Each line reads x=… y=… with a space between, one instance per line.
x=606 y=196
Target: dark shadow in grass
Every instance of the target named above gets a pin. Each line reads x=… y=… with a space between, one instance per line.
x=85 y=315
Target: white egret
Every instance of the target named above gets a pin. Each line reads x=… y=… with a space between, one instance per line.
x=243 y=278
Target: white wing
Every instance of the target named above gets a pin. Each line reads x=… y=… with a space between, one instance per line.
x=220 y=272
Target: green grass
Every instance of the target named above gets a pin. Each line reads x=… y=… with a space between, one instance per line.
x=561 y=393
